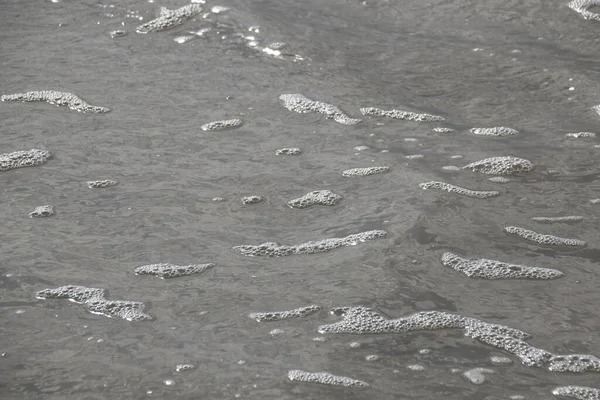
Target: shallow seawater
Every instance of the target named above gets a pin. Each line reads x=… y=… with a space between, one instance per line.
x=528 y=65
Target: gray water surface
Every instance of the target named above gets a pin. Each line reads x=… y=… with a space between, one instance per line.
x=529 y=65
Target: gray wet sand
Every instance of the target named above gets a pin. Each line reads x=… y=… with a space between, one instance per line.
x=531 y=66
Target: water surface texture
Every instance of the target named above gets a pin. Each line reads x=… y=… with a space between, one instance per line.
x=530 y=65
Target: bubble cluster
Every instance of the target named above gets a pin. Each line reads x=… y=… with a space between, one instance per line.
x=580 y=135
x=499 y=179
x=23 y=158
x=500 y=360
x=317 y=197
x=366 y=171
x=362 y=320
x=574 y=363
x=450 y=168
x=491 y=269
x=443 y=130
x=582 y=7
x=547 y=240
x=272 y=249
x=501 y=165
x=166 y=271
x=277 y=45
x=42 y=211
x=76 y=294
x=273 y=49
x=127 y=310
x=324 y=378
x=597 y=108
x=184 y=367
x=530 y=356
x=301 y=104
x=101 y=183
x=551 y=220
x=280 y=315
x=223 y=124
x=170 y=18
x=117 y=33
x=414 y=156
x=477 y=375
x=58 y=98
x=288 y=151
x=94 y=301
x=252 y=199
x=577 y=392
x=399 y=114
x=183 y=39
x=459 y=190
x=219 y=9
x=534 y=357
x=495 y=131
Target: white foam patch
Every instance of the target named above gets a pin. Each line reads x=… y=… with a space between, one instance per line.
x=582 y=7
x=324 y=378
x=477 y=376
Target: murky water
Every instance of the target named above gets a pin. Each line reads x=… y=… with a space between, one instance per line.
x=177 y=188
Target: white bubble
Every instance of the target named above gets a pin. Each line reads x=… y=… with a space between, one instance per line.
x=476 y=375
x=219 y=9
x=271 y=52
x=183 y=39
x=184 y=367
x=500 y=360
x=169 y=382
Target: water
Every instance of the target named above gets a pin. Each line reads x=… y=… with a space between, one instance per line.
x=528 y=65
